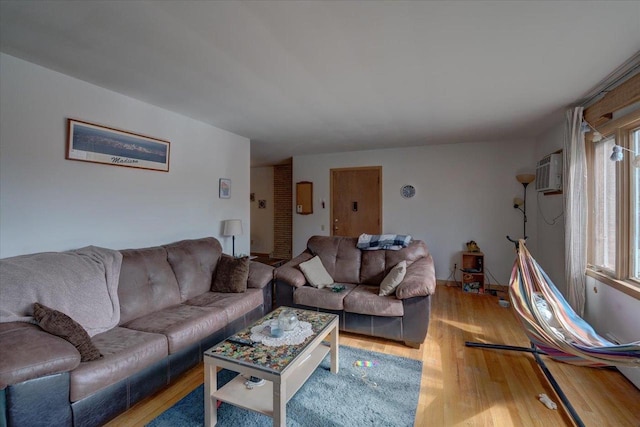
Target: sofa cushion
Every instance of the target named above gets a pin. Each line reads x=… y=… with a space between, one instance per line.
x=365 y=300
x=315 y=273
x=231 y=275
x=193 y=262
x=63 y=326
x=392 y=280
x=234 y=305
x=125 y=352
x=373 y=268
x=377 y=264
x=182 y=324
x=417 y=249
x=147 y=283
x=339 y=256
x=322 y=298
x=28 y=352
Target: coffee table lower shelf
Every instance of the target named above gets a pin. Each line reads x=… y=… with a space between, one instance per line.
x=260 y=399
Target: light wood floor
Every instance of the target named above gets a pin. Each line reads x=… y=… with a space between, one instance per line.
x=464 y=386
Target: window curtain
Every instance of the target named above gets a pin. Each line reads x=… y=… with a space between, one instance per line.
x=575 y=208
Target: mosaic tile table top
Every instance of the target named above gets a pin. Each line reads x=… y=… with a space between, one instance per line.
x=273 y=359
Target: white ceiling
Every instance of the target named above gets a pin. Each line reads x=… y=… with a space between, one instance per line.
x=315 y=77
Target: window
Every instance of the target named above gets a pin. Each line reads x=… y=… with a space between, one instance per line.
x=614 y=205
x=635 y=207
x=604 y=206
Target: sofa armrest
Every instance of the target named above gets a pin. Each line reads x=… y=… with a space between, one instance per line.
x=260 y=275
x=28 y=352
x=419 y=281
x=290 y=274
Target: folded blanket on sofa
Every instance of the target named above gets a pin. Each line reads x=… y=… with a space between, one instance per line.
x=372 y=242
x=83 y=284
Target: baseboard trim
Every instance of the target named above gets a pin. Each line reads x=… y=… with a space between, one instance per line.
x=446 y=283
x=494 y=286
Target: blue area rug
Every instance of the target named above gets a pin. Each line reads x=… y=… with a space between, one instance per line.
x=384 y=394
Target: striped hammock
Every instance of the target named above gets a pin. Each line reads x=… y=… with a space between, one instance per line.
x=553 y=326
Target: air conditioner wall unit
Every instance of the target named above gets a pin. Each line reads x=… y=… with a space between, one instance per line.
x=549 y=173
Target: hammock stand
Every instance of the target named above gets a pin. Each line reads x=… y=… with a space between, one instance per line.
x=536 y=354
x=560 y=349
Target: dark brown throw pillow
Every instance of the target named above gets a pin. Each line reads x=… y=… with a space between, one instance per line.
x=63 y=326
x=231 y=275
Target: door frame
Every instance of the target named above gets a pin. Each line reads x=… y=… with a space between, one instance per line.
x=331 y=185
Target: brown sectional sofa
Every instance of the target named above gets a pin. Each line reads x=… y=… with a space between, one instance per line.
x=401 y=317
x=168 y=317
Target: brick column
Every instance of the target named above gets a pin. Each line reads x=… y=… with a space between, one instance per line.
x=282 y=211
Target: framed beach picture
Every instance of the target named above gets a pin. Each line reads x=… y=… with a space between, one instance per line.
x=224 y=189
x=89 y=142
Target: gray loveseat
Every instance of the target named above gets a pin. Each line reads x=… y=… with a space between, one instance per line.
x=165 y=318
x=403 y=316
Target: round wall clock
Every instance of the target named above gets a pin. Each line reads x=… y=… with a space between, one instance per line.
x=408 y=191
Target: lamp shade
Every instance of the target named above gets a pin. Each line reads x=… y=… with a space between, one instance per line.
x=525 y=178
x=232 y=227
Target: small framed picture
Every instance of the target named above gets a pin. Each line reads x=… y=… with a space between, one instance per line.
x=224 y=190
x=262 y=204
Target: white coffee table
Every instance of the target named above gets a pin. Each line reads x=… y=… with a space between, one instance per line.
x=285 y=368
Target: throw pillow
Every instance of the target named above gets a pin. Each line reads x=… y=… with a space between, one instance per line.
x=315 y=273
x=231 y=275
x=57 y=323
x=393 y=279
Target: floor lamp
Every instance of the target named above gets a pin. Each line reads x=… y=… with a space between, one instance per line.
x=232 y=227
x=521 y=204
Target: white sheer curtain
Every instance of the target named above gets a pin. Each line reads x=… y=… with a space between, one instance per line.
x=575 y=208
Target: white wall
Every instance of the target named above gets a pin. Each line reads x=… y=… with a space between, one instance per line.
x=550 y=236
x=608 y=310
x=262 y=219
x=463 y=192
x=49 y=203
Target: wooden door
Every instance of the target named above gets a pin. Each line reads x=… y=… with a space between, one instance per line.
x=356 y=201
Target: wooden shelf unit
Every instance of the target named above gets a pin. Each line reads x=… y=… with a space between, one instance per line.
x=473 y=272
